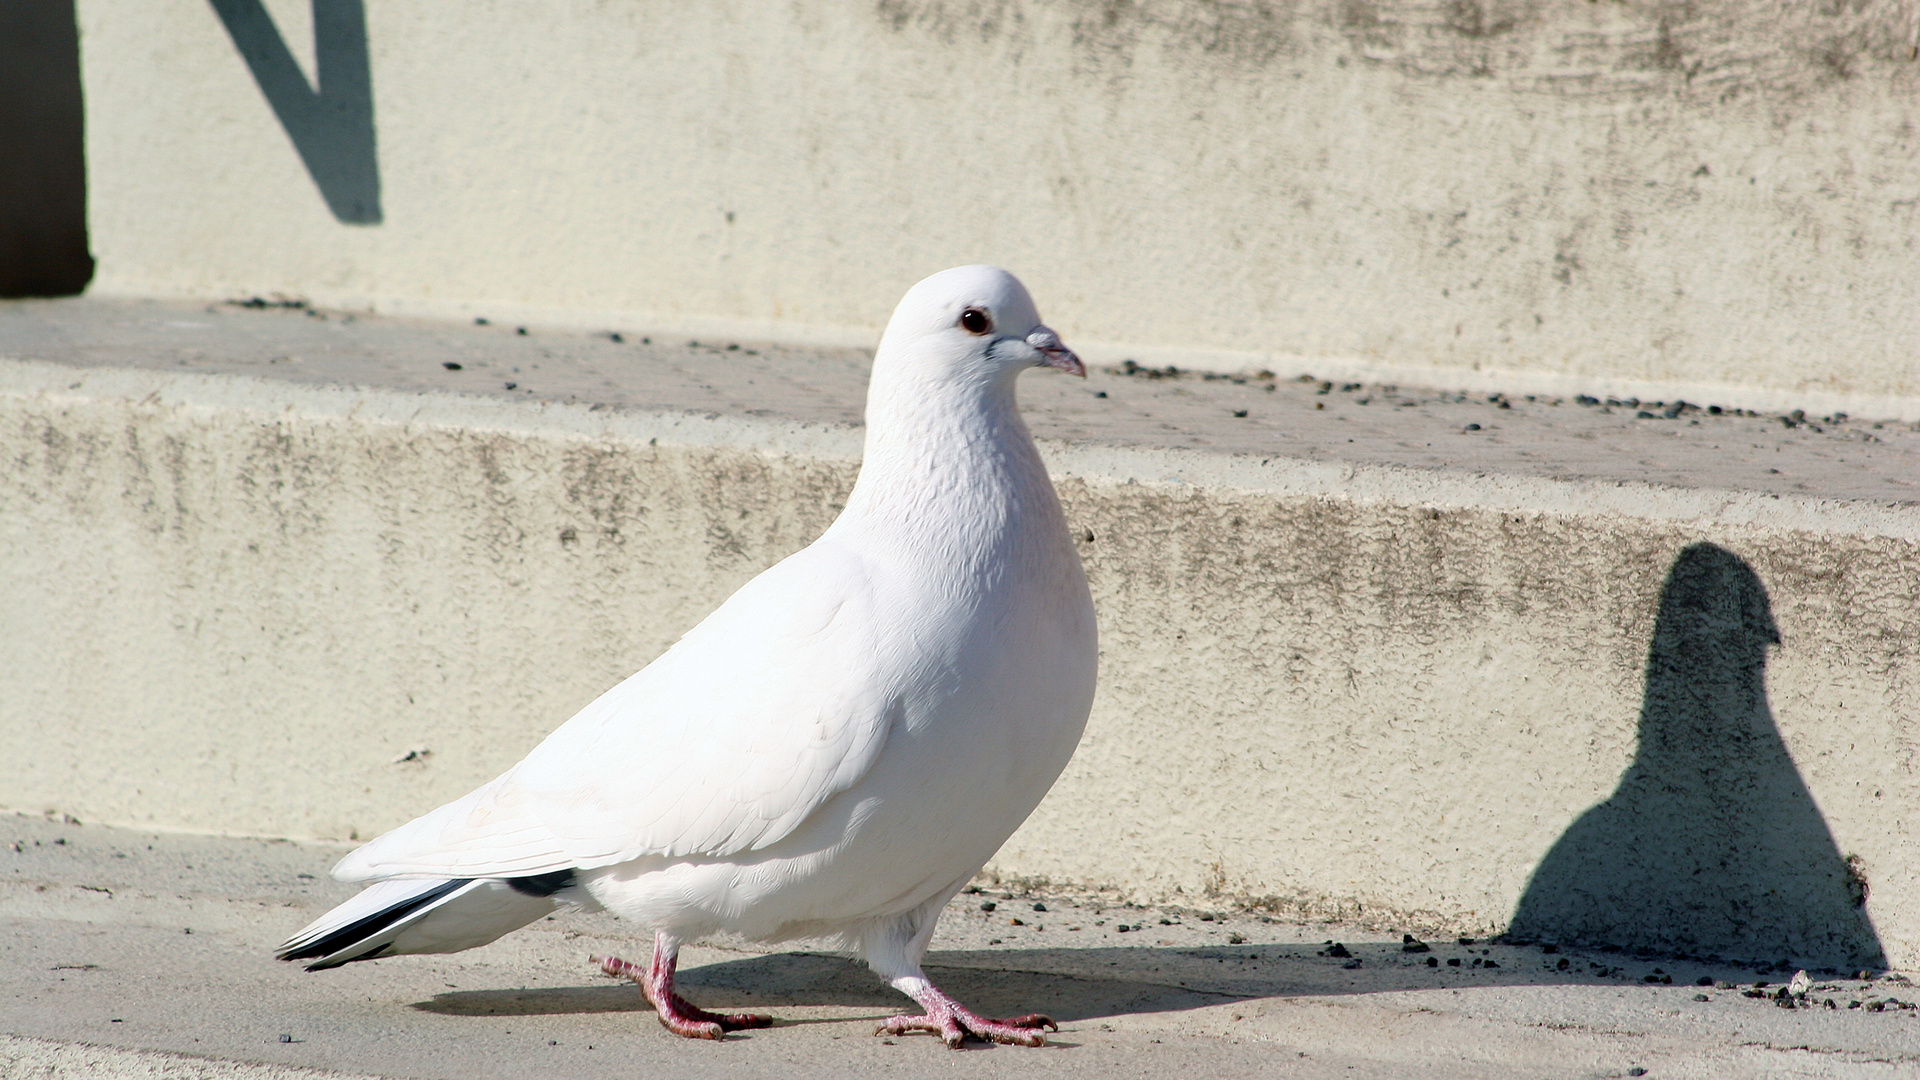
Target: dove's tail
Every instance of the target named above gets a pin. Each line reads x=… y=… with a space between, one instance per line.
x=427 y=915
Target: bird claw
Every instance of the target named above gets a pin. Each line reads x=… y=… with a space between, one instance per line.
x=693 y=1030
x=955 y=1024
x=692 y=1021
x=615 y=968
x=676 y=1013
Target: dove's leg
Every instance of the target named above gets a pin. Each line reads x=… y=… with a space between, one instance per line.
x=894 y=951
x=953 y=1022
x=676 y=1013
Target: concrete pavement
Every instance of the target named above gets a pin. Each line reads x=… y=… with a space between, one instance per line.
x=139 y=954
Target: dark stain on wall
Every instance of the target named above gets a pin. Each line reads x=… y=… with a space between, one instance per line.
x=1712 y=49
x=43 y=170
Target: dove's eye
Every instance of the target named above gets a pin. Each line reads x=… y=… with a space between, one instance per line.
x=976 y=320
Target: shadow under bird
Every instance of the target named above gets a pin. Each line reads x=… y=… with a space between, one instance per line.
x=838 y=748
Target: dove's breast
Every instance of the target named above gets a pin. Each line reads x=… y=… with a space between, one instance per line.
x=991 y=657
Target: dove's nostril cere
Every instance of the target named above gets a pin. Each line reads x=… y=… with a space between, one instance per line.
x=976 y=320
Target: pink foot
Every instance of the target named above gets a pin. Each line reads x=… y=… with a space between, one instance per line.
x=953 y=1022
x=676 y=1013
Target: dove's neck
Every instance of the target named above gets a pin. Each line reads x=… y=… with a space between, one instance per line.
x=950 y=468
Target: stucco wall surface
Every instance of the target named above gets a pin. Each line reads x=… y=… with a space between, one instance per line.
x=1714 y=197
x=239 y=605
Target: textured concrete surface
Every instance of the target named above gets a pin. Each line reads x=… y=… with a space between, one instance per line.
x=140 y=954
x=1540 y=195
x=290 y=575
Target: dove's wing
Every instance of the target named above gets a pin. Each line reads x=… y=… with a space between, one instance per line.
x=771 y=706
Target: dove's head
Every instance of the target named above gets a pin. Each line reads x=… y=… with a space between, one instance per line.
x=970 y=324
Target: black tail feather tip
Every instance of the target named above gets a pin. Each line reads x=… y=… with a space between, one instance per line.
x=361 y=929
x=374 y=955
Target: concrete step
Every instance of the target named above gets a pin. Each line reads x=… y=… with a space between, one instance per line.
x=1609 y=197
x=1397 y=656
x=141 y=954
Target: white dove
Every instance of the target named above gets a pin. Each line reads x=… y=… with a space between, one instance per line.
x=832 y=753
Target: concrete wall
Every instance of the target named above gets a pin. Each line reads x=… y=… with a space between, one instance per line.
x=1715 y=197
x=1449 y=703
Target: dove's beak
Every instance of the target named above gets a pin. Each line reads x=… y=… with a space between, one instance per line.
x=1053 y=354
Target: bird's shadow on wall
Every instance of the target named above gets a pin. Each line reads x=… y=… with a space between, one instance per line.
x=330 y=122
x=1711 y=844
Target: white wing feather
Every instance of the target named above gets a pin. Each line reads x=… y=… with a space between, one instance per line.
x=771 y=706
